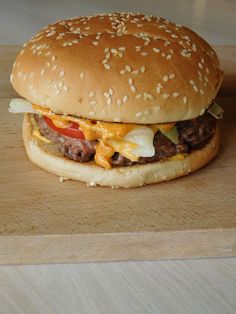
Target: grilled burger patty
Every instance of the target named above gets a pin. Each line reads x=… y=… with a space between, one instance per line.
x=193 y=134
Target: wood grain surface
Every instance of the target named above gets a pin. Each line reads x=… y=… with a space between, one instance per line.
x=43 y=220
x=149 y=287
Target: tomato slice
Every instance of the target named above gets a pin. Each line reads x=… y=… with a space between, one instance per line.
x=72 y=131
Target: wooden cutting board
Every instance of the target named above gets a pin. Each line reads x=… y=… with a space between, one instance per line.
x=45 y=221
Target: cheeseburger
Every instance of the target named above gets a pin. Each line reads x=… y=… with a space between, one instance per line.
x=118 y=99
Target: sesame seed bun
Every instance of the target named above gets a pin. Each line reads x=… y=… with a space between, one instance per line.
x=48 y=158
x=119 y=67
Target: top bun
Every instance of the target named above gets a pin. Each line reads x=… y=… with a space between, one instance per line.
x=119 y=67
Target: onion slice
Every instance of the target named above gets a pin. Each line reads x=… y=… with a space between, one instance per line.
x=18 y=105
x=216 y=111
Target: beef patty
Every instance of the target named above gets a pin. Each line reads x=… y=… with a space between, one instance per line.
x=193 y=134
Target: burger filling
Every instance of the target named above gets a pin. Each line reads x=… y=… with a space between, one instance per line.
x=120 y=144
x=192 y=134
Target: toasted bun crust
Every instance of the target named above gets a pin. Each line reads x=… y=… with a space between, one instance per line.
x=126 y=177
x=119 y=67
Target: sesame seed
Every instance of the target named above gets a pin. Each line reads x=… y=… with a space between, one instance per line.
x=109 y=101
x=168 y=57
x=185 y=99
x=200 y=65
x=113 y=50
x=65 y=88
x=92 y=102
x=82 y=75
x=161 y=26
x=118 y=102
x=199 y=73
x=201 y=91
x=165 y=96
x=147 y=96
x=62 y=73
x=122 y=48
x=110 y=91
x=138 y=96
x=135 y=72
x=54 y=67
x=128 y=68
x=133 y=88
x=53 y=58
x=143 y=53
x=60 y=84
x=106 y=94
x=48 y=64
x=95 y=43
x=139 y=114
x=107 y=66
x=165 y=78
x=195 y=88
x=207 y=71
x=171 y=76
x=125 y=99
x=42 y=71
x=106 y=50
x=91 y=113
x=122 y=72
x=104 y=61
x=142 y=69
x=202 y=112
x=158 y=89
x=174 y=36
x=192 y=82
x=107 y=56
x=91 y=94
x=130 y=80
x=175 y=94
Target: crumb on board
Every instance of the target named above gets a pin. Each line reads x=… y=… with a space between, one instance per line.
x=62 y=179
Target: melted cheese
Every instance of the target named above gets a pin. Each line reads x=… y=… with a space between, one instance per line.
x=143 y=138
x=130 y=140
x=178 y=156
x=37 y=134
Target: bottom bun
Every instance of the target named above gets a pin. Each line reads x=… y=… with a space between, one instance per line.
x=46 y=156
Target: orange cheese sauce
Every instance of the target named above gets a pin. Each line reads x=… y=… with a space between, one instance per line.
x=108 y=134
